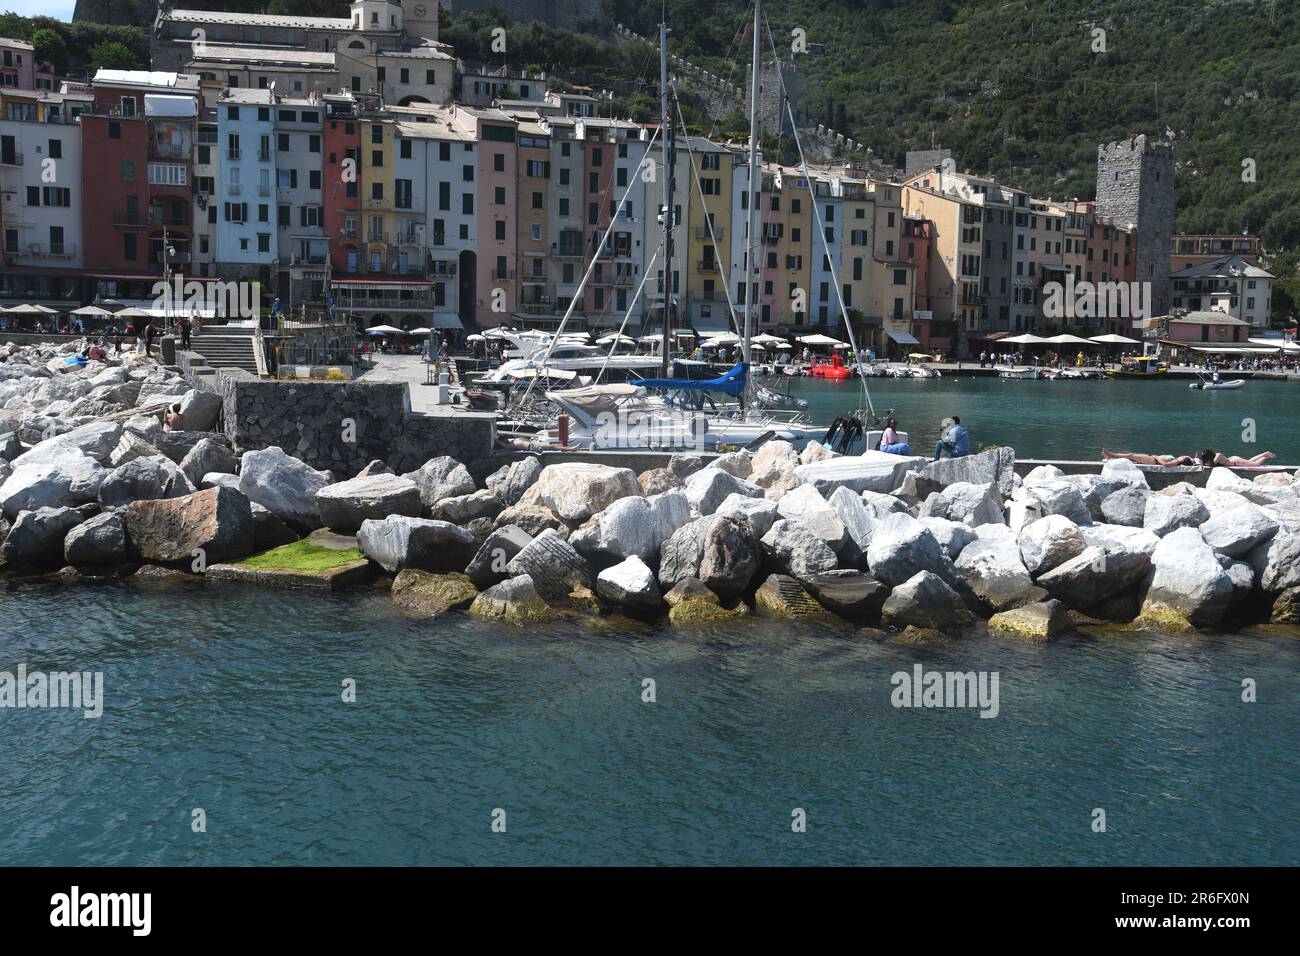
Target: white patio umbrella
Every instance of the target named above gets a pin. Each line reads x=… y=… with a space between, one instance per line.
x=419 y=331
x=475 y=338
x=498 y=333
x=721 y=338
x=1113 y=339
x=614 y=337
x=28 y=309
x=767 y=339
x=383 y=330
x=1027 y=339
x=819 y=339
x=1066 y=339
x=92 y=311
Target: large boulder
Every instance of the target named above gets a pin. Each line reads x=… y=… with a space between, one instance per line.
x=575 y=491
x=973 y=505
x=284 y=485
x=995 y=466
x=1056 y=496
x=345 y=504
x=859 y=520
x=738 y=463
x=632 y=526
x=462 y=509
x=510 y=482
x=1187 y=581
x=793 y=549
x=439 y=478
x=37 y=536
x=1165 y=513
x=900 y=547
x=710 y=487
x=1239 y=532
x=207 y=456
x=1048 y=542
x=555 y=567
x=95 y=439
x=432 y=595
x=533 y=519
x=144 y=479
x=806 y=506
x=488 y=566
x=1095 y=575
x=1121 y=471
x=71 y=478
x=784 y=597
x=268 y=530
x=925 y=600
x=514 y=600
x=993 y=569
x=1114 y=537
x=130 y=447
x=400 y=541
x=200 y=410
x=1041 y=621
x=629 y=584
x=732 y=556
x=216 y=523
x=871 y=471
x=681 y=553
x=851 y=594
x=761 y=513
x=1277 y=563
x=953 y=536
x=1126 y=506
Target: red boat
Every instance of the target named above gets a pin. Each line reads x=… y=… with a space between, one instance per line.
x=836 y=369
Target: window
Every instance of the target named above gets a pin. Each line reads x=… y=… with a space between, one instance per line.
x=282 y=217
x=467 y=204
x=377 y=191
x=57 y=196
x=537 y=237
x=900 y=277
x=114 y=130
x=167 y=174
x=263 y=212
x=444 y=196
x=467 y=174
x=128 y=170
x=377 y=134
x=597 y=156
x=499 y=162
x=404 y=75
x=499 y=196
x=376 y=157
x=129 y=246
x=500 y=230
x=404 y=148
x=402 y=193
x=56 y=149
x=444 y=152
x=537 y=200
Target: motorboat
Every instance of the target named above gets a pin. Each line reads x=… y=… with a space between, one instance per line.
x=1139 y=366
x=1213 y=385
x=1023 y=372
x=775 y=399
x=835 y=369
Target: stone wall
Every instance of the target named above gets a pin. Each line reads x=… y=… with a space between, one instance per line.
x=1135 y=184
x=343 y=426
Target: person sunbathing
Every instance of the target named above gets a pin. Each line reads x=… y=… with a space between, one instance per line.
x=1210 y=457
x=1165 y=461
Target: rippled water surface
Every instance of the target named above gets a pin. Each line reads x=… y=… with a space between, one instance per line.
x=228 y=699
x=1075 y=420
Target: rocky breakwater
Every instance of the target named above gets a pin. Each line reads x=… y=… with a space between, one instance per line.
x=868 y=541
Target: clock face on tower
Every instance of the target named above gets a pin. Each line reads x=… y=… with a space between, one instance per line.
x=421 y=10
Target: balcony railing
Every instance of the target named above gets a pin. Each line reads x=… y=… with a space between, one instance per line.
x=702 y=232
x=707 y=265
x=234 y=153
x=263 y=189
x=264 y=155
x=234 y=189
x=129 y=218
x=498 y=276
x=15 y=160
x=55 y=250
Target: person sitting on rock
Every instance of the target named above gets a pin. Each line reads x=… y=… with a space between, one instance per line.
x=889 y=440
x=955 y=441
x=173 y=421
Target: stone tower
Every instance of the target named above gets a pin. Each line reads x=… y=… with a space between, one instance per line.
x=1135 y=189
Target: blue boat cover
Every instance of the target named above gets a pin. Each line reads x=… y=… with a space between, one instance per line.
x=731 y=383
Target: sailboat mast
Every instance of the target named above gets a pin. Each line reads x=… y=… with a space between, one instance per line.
x=665 y=122
x=755 y=184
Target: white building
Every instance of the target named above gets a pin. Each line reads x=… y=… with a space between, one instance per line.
x=246 y=191
x=1232 y=284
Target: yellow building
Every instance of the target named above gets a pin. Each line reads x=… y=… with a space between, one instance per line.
x=705 y=176
x=379 y=229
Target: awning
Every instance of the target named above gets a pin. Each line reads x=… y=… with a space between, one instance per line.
x=904 y=338
x=444 y=320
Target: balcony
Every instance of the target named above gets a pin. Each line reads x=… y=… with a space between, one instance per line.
x=374 y=236
x=234 y=189
x=440 y=268
x=234 y=154
x=410 y=238
x=263 y=155
x=129 y=218
x=15 y=160
x=263 y=189
x=702 y=232
x=298 y=260
x=52 y=250
x=706 y=265
x=506 y=276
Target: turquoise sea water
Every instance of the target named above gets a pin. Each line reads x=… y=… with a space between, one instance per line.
x=1075 y=420
x=228 y=699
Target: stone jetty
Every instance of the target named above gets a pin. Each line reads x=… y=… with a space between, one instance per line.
x=91 y=487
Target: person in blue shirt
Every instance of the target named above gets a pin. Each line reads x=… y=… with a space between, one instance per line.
x=955 y=441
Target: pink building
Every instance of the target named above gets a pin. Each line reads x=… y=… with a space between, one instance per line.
x=19 y=69
x=495 y=198
x=1212 y=327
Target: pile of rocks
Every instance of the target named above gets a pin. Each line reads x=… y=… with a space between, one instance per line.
x=934 y=545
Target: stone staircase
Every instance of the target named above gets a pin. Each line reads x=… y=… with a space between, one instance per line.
x=227 y=346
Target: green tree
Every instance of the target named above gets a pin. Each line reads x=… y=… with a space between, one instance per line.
x=51 y=49
x=111 y=55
